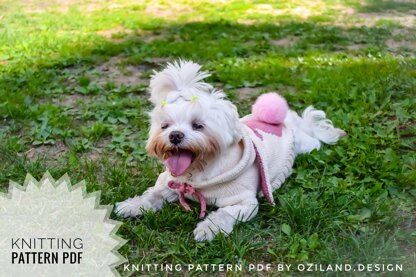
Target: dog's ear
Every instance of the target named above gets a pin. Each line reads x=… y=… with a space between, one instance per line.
x=162 y=83
x=180 y=77
x=231 y=116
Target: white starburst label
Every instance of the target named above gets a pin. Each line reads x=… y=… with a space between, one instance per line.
x=50 y=228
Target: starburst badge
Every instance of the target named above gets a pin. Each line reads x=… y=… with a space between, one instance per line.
x=51 y=228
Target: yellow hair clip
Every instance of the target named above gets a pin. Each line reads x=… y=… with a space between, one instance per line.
x=194 y=98
x=163 y=103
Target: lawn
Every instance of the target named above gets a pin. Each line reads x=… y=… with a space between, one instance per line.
x=73 y=99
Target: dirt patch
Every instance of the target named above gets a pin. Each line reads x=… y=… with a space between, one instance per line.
x=112 y=34
x=251 y=43
x=63 y=6
x=167 y=11
x=94 y=155
x=265 y=9
x=149 y=37
x=409 y=224
x=304 y=10
x=356 y=47
x=51 y=153
x=349 y=17
x=71 y=100
x=120 y=72
x=97 y=152
x=158 y=61
x=248 y=92
x=371 y=19
x=115 y=71
x=284 y=89
x=115 y=6
x=285 y=42
x=348 y=10
x=247 y=21
x=399 y=44
x=408 y=249
x=400 y=32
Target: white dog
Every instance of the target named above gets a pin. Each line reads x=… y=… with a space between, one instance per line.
x=213 y=157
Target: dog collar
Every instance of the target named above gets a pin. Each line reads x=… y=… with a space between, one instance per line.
x=183 y=188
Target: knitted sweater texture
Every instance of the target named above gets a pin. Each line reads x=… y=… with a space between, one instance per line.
x=276 y=154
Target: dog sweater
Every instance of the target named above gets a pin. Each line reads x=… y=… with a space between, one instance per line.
x=273 y=149
x=267 y=142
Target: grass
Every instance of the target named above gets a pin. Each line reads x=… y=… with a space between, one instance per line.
x=73 y=99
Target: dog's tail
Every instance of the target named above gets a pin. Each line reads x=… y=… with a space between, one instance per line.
x=312 y=129
x=178 y=76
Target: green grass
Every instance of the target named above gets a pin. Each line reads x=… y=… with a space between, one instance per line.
x=65 y=107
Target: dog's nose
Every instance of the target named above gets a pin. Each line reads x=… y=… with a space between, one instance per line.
x=176 y=137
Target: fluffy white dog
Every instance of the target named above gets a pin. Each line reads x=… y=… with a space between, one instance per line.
x=213 y=157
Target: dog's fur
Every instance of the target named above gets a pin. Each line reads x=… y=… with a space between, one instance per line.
x=183 y=102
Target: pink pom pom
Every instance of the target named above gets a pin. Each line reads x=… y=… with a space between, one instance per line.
x=270 y=108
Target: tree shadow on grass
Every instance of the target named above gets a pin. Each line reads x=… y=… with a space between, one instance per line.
x=230 y=49
x=386 y=6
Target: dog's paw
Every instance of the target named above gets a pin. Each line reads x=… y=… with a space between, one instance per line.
x=131 y=207
x=217 y=222
x=206 y=230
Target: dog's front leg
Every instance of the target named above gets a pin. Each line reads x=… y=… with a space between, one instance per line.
x=152 y=199
x=224 y=219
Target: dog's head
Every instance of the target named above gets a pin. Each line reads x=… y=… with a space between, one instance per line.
x=191 y=123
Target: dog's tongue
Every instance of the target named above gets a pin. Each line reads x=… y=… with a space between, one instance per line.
x=179 y=162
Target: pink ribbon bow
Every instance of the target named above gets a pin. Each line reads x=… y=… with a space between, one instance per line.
x=183 y=188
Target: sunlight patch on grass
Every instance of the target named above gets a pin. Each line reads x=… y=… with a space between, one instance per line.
x=300 y=9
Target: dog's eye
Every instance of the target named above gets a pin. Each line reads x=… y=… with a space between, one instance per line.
x=164 y=126
x=197 y=126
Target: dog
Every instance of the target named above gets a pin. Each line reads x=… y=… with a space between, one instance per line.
x=214 y=157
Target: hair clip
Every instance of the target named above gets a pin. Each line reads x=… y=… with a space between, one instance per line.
x=163 y=103
x=194 y=98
